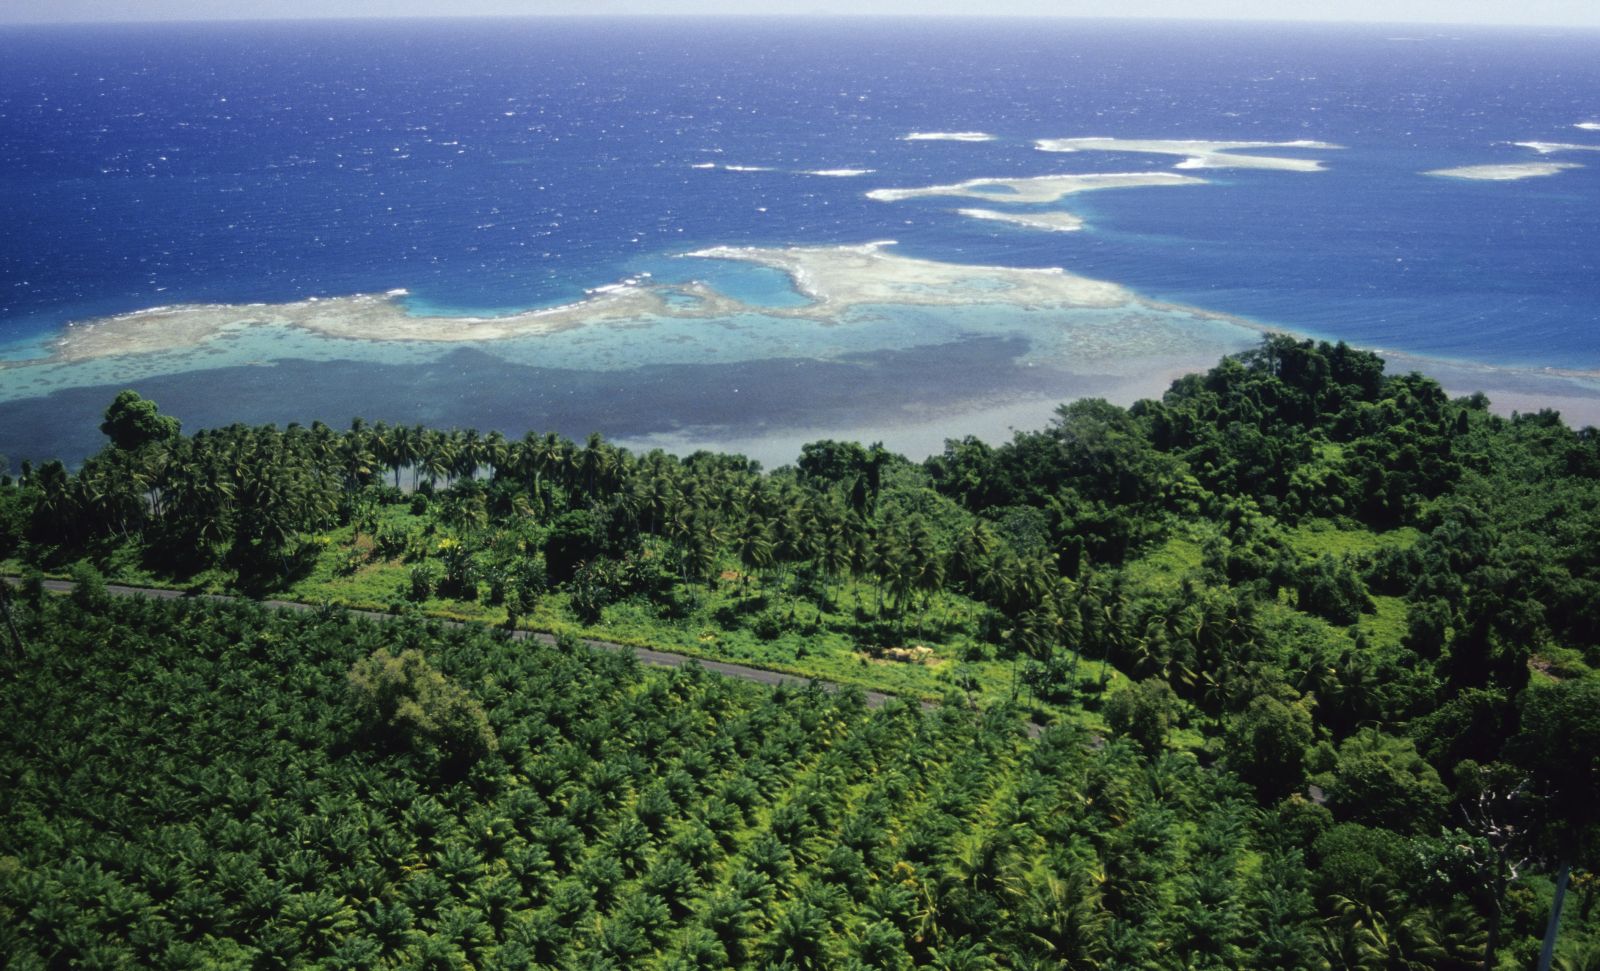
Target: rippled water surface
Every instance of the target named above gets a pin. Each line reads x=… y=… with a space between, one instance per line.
x=491 y=167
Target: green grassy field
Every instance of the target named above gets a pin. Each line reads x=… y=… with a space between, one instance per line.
x=940 y=653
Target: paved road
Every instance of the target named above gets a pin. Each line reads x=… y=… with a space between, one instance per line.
x=660 y=659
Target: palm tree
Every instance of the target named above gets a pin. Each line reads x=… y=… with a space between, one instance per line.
x=381 y=442
x=598 y=461
x=655 y=493
x=835 y=554
x=705 y=541
x=754 y=547
x=407 y=446
x=357 y=460
x=975 y=549
x=468 y=454
x=495 y=452
x=1062 y=917
x=550 y=455
x=798 y=932
x=434 y=458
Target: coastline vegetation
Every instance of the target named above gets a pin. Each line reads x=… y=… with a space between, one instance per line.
x=1313 y=645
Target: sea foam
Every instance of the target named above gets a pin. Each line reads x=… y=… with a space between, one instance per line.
x=1037 y=189
x=1054 y=222
x=947 y=136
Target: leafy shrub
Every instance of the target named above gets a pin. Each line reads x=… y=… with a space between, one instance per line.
x=89 y=586
x=768 y=626
x=571 y=542
x=406 y=699
x=1143 y=711
x=1333 y=591
x=598 y=583
x=422 y=581
x=350 y=561
x=391 y=541
x=526 y=579
x=460 y=579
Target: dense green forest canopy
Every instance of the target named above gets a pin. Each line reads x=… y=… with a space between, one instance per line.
x=1315 y=643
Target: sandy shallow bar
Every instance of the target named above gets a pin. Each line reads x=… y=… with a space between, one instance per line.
x=1509 y=172
x=364 y=317
x=838 y=278
x=1550 y=148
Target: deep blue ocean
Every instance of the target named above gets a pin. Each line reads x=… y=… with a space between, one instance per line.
x=488 y=166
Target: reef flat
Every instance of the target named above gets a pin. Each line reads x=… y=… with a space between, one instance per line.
x=833 y=280
x=1037 y=189
x=1508 y=172
x=1550 y=148
x=362 y=317
x=1197 y=154
x=837 y=278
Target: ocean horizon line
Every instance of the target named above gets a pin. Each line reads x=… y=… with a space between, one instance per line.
x=657 y=16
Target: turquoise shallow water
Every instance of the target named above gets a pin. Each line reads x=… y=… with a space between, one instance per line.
x=1082 y=340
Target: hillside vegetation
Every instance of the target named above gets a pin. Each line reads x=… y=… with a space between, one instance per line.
x=1316 y=643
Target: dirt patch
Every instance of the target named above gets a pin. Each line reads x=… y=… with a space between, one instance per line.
x=915 y=654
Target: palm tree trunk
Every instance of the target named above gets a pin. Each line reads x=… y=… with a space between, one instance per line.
x=1548 y=953
x=1491 y=946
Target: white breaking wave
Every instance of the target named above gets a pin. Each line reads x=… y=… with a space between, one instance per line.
x=947 y=136
x=747 y=168
x=839 y=173
x=627 y=283
x=1588 y=125
x=1037 y=189
x=1546 y=148
x=704 y=165
x=1051 y=222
